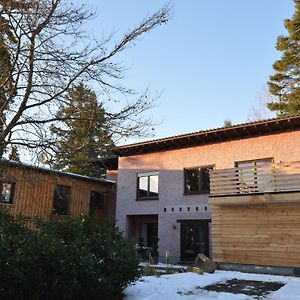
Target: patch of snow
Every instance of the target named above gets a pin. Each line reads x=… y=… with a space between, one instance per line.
x=189 y=286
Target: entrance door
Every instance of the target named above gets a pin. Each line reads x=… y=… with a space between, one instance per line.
x=142 y=226
x=194 y=239
x=148 y=232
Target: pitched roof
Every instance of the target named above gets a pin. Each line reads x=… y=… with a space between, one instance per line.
x=239 y=131
x=55 y=172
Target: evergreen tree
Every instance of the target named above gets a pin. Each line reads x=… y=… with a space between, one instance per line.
x=84 y=136
x=14 y=154
x=285 y=83
x=227 y=123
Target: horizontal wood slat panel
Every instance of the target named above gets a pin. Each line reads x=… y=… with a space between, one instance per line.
x=255 y=179
x=261 y=235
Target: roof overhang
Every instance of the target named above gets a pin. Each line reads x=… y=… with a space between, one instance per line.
x=240 y=131
x=109 y=163
x=56 y=172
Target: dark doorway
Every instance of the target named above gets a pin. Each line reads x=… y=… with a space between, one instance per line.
x=143 y=226
x=194 y=239
x=148 y=233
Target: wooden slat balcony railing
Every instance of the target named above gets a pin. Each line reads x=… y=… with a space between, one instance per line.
x=265 y=178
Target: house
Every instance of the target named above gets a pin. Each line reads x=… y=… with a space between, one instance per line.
x=232 y=193
x=36 y=192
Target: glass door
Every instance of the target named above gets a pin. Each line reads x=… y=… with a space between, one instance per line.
x=194 y=239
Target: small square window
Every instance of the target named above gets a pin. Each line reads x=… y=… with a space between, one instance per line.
x=61 y=200
x=7 y=192
x=196 y=180
x=147 y=186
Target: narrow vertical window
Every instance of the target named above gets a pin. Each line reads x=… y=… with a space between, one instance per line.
x=96 y=202
x=61 y=200
x=7 y=192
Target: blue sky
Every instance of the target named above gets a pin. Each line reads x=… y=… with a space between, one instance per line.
x=209 y=63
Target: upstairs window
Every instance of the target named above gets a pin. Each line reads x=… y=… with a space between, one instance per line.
x=254 y=175
x=61 y=200
x=254 y=163
x=196 y=180
x=7 y=192
x=147 y=186
x=96 y=202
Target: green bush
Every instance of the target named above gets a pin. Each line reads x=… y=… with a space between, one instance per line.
x=69 y=259
x=149 y=271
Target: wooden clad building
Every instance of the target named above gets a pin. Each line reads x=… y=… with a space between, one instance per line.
x=256 y=214
x=265 y=234
x=39 y=192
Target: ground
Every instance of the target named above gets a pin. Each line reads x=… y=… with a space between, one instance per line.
x=238 y=286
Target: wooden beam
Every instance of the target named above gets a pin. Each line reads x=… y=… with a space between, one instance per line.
x=276 y=198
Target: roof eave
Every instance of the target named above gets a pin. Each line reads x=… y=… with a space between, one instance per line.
x=264 y=127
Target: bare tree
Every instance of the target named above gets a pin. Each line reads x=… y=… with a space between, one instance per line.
x=260 y=111
x=46 y=51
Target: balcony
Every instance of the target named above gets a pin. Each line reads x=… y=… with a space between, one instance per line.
x=256 y=184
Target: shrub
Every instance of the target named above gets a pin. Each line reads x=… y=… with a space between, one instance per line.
x=149 y=271
x=73 y=258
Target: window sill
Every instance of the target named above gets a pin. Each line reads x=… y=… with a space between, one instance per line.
x=147 y=199
x=54 y=215
x=6 y=203
x=196 y=193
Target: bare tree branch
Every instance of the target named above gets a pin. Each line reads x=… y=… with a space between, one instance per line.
x=49 y=52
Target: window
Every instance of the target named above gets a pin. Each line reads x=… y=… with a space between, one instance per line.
x=61 y=200
x=147 y=186
x=196 y=180
x=7 y=192
x=96 y=202
x=256 y=162
x=252 y=175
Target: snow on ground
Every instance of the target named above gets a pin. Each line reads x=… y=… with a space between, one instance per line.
x=188 y=286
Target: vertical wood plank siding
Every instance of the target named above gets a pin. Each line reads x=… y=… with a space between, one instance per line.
x=34 y=191
x=266 y=234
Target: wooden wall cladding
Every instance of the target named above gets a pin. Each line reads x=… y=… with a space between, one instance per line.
x=266 y=234
x=34 y=191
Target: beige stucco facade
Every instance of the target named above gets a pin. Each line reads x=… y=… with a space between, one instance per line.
x=172 y=205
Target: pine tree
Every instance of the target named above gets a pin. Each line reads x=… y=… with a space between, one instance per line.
x=14 y=154
x=84 y=136
x=285 y=83
x=227 y=123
